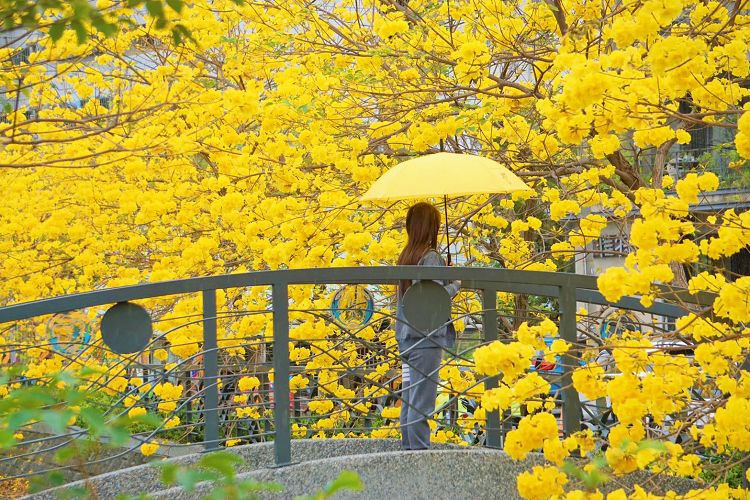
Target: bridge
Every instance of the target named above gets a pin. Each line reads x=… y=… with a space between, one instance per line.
x=226 y=387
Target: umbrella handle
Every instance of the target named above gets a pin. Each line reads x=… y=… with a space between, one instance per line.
x=447 y=236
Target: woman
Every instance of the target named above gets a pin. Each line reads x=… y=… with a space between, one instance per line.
x=421 y=354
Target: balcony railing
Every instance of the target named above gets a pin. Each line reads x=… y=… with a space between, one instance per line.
x=684 y=160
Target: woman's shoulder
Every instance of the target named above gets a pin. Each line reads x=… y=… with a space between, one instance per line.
x=431 y=258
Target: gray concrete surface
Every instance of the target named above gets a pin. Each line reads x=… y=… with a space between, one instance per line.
x=445 y=472
x=475 y=474
x=454 y=474
x=145 y=478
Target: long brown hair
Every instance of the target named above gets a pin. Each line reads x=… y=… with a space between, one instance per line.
x=422 y=227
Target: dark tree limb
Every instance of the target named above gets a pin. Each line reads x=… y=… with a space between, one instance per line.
x=557 y=10
x=625 y=170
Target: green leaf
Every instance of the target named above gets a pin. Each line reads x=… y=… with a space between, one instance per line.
x=175 y=4
x=73 y=397
x=67 y=378
x=571 y=469
x=155 y=8
x=147 y=419
x=28 y=19
x=168 y=472
x=64 y=454
x=223 y=462
x=46 y=481
x=81 y=33
x=56 y=478
x=57 y=420
x=28 y=398
x=652 y=444
x=87 y=371
x=57 y=29
x=74 y=493
x=104 y=27
x=118 y=435
x=600 y=462
x=592 y=479
x=189 y=478
x=81 y=9
x=595 y=479
x=140 y=496
x=21 y=418
x=6 y=439
x=180 y=33
x=251 y=485
x=347 y=480
x=95 y=420
x=38 y=483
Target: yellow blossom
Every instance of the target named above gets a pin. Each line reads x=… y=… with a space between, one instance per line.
x=148 y=449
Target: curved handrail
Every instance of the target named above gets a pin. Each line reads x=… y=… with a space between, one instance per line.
x=511 y=280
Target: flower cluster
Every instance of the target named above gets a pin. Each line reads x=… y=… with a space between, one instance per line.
x=511 y=359
x=169 y=394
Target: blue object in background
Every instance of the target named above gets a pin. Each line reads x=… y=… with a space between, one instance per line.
x=550 y=370
x=617 y=324
x=69 y=332
x=353 y=306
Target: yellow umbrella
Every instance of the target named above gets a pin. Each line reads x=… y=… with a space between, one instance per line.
x=444 y=174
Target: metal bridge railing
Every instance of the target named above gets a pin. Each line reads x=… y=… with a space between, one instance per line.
x=289 y=370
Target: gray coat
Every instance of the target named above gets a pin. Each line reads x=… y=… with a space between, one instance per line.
x=410 y=338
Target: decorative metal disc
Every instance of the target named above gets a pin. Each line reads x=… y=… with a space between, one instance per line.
x=427 y=306
x=126 y=328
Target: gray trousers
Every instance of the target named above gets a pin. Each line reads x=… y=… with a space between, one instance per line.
x=418 y=395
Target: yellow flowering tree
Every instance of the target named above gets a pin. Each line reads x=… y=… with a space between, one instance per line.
x=130 y=158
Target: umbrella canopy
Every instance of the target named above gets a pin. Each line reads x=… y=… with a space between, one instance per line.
x=444 y=174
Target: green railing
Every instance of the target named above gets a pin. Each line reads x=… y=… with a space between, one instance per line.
x=208 y=408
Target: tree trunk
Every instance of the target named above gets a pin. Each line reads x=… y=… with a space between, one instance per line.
x=660 y=162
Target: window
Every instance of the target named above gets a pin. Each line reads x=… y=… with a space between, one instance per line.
x=611 y=246
x=21 y=56
x=739 y=264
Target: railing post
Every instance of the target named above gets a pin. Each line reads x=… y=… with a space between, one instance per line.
x=210 y=372
x=282 y=441
x=571 y=411
x=489 y=324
